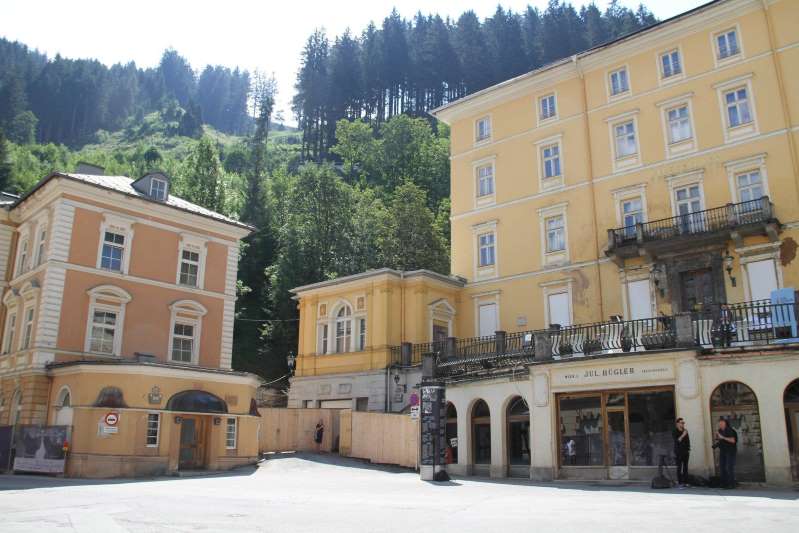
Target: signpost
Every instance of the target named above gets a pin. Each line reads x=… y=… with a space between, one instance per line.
x=432 y=459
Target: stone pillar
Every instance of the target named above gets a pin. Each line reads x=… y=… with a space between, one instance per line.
x=774 y=432
x=542 y=440
x=433 y=423
x=499 y=457
x=684 y=331
x=406 y=353
x=500 y=342
x=450 y=347
x=543 y=346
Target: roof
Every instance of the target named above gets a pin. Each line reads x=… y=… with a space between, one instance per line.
x=123 y=185
x=570 y=59
x=453 y=280
x=131 y=362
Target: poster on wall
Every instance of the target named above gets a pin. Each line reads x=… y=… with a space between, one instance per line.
x=5 y=447
x=41 y=449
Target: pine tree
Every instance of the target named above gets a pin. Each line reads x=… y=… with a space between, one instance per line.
x=5 y=164
x=203 y=176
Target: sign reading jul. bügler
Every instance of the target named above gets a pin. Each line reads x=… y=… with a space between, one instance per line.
x=648 y=371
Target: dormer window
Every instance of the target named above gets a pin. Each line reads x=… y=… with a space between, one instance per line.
x=158 y=189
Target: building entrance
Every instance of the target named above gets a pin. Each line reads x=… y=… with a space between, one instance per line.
x=192 y=443
x=612 y=431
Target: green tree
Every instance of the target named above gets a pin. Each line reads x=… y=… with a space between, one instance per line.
x=203 y=177
x=5 y=164
x=22 y=128
x=357 y=147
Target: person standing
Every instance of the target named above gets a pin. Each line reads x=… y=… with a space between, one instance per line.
x=682 y=450
x=319 y=434
x=728 y=447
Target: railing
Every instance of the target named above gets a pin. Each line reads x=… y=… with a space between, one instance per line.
x=746 y=324
x=414 y=356
x=614 y=337
x=700 y=222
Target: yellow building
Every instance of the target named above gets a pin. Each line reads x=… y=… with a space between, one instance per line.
x=117 y=314
x=654 y=176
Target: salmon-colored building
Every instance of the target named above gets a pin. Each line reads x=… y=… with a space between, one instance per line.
x=117 y=320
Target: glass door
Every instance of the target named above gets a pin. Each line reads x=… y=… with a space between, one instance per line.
x=617 y=438
x=689 y=206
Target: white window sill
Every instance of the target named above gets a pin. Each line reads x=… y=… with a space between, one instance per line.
x=619 y=96
x=723 y=61
x=482 y=142
x=678 y=148
x=674 y=78
x=552 y=183
x=626 y=162
x=482 y=201
x=547 y=121
x=741 y=132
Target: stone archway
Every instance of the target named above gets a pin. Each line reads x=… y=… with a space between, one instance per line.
x=737 y=403
x=790 y=400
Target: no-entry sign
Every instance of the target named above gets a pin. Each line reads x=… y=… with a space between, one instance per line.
x=111 y=419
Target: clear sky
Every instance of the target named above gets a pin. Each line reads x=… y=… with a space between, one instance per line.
x=268 y=35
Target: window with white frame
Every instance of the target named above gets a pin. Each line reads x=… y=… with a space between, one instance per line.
x=679 y=124
x=486 y=252
x=158 y=189
x=550 y=159
x=619 y=82
x=183 y=339
x=11 y=326
x=344 y=329
x=547 y=107
x=750 y=185
x=103 y=331
x=556 y=234
x=558 y=308
x=22 y=263
x=487 y=319
x=153 y=429
x=113 y=252
x=670 y=64
x=360 y=342
x=727 y=44
x=485 y=180
x=27 y=329
x=738 y=111
x=189 y=266
x=230 y=433
x=483 y=129
x=41 y=248
x=624 y=139
x=323 y=330
x=632 y=213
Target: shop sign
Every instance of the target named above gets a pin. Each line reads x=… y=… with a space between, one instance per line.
x=415 y=412
x=41 y=449
x=613 y=373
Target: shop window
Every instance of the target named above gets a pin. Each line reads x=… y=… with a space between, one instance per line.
x=581 y=429
x=791 y=403
x=518 y=432
x=481 y=433
x=153 y=428
x=651 y=422
x=737 y=403
x=230 y=434
x=110 y=397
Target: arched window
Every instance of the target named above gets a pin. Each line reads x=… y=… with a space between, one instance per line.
x=64 y=398
x=63 y=405
x=791 y=403
x=518 y=420
x=737 y=403
x=106 y=319
x=344 y=329
x=481 y=433
x=196 y=401
x=16 y=408
x=185 y=331
x=110 y=397
x=452 y=430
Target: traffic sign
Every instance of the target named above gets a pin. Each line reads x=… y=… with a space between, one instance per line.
x=111 y=419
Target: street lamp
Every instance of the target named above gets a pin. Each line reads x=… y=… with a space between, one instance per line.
x=396 y=379
x=728 y=260
x=291 y=361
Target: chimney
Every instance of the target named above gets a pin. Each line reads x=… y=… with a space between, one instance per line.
x=87 y=168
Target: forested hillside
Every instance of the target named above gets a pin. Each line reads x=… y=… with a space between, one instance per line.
x=363 y=183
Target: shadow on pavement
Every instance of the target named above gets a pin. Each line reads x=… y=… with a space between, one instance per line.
x=333 y=459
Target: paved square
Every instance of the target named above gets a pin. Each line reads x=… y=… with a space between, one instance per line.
x=326 y=493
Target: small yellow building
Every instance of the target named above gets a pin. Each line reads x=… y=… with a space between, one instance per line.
x=118 y=301
x=624 y=232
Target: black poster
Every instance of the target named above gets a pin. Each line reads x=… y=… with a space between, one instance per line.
x=41 y=449
x=433 y=425
x=5 y=447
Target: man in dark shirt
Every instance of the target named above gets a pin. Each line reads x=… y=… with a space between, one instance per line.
x=727 y=441
x=682 y=449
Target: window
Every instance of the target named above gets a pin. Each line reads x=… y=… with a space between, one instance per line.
x=547 y=107
x=750 y=186
x=632 y=213
x=486 y=249
x=556 y=235
x=183 y=342
x=640 y=299
x=619 y=83
x=737 y=103
x=679 y=124
x=670 y=64
x=344 y=330
x=103 y=331
x=322 y=343
x=559 y=309
x=153 y=427
x=487 y=316
x=762 y=277
x=189 y=267
x=40 y=250
x=483 y=129
x=361 y=342
x=27 y=330
x=581 y=430
x=158 y=189
x=727 y=44
x=624 y=134
x=230 y=434
x=485 y=180
x=113 y=251
x=22 y=265
x=11 y=326
x=550 y=156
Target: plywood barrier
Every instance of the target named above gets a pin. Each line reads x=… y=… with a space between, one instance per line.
x=293 y=429
x=383 y=438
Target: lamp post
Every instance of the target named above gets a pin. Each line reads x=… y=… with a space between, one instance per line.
x=291 y=361
x=728 y=261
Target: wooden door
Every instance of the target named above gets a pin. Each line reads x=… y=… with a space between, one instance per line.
x=192 y=443
x=697 y=289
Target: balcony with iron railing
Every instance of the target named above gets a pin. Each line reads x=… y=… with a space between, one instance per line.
x=717 y=225
x=721 y=326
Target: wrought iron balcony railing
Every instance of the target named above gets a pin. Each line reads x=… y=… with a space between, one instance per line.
x=710 y=221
